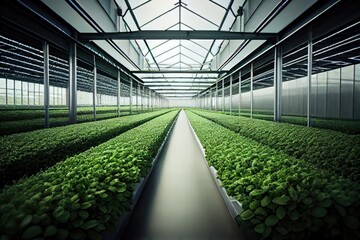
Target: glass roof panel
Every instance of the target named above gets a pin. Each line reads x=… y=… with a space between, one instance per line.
x=197 y=22
x=164 y=22
x=199 y=46
x=212 y=12
x=157 y=52
x=166 y=56
x=152 y=9
x=192 y=54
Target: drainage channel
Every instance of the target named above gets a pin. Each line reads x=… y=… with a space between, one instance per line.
x=180 y=199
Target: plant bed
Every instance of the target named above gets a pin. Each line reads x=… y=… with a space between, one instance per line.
x=324 y=149
x=82 y=197
x=43 y=148
x=282 y=197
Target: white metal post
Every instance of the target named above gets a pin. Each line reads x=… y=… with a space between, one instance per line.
x=231 y=80
x=223 y=94
x=251 y=88
x=118 y=92
x=72 y=83
x=309 y=72
x=95 y=88
x=46 y=84
x=239 y=93
x=142 y=98
x=131 y=92
x=277 y=83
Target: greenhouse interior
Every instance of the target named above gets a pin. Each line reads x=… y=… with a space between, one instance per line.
x=180 y=119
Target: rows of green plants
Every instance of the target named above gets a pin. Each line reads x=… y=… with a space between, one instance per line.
x=324 y=149
x=15 y=114
x=26 y=125
x=83 y=196
x=342 y=125
x=26 y=153
x=21 y=114
x=282 y=197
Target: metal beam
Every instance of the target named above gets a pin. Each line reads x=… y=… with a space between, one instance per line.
x=163 y=77
x=176 y=35
x=178 y=82
x=179 y=71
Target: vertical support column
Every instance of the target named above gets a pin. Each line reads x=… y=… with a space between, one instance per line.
x=309 y=72
x=28 y=94
x=216 y=95
x=118 y=92
x=22 y=94
x=211 y=99
x=72 y=83
x=14 y=93
x=223 y=94
x=142 y=97
x=251 y=88
x=148 y=99
x=277 y=83
x=46 y=84
x=137 y=97
x=95 y=88
x=231 y=80
x=131 y=92
x=6 y=91
x=239 y=93
x=150 y=95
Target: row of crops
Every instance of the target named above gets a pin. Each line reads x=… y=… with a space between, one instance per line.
x=324 y=149
x=15 y=120
x=285 y=193
x=343 y=125
x=82 y=196
x=43 y=148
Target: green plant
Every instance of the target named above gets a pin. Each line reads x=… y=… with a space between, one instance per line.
x=282 y=197
x=43 y=148
x=324 y=149
x=84 y=195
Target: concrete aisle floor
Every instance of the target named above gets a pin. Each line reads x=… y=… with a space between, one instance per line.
x=180 y=199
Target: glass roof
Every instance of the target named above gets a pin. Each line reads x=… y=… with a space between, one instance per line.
x=178 y=55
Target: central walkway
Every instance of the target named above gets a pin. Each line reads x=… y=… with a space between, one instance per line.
x=180 y=199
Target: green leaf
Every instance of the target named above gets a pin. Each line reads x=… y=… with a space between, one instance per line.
x=271 y=220
x=89 y=224
x=256 y=192
x=83 y=214
x=265 y=201
x=26 y=221
x=283 y=200
x=260 y=228
x=319 y=212
x=247 y=214
x=32 y=232
x=280 y=212
x=61 y=215
x=121 y=188
x=85 y=205
x=50 y=231
x=260 y=211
